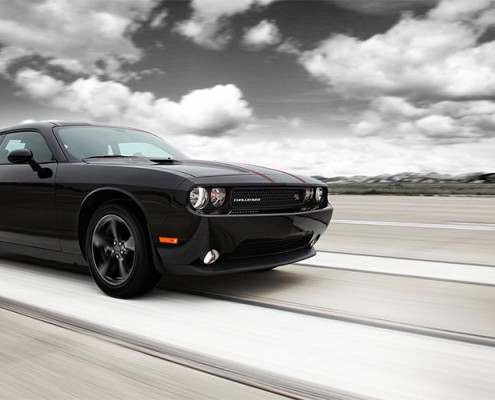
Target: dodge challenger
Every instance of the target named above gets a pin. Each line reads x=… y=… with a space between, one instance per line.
x=132 y=208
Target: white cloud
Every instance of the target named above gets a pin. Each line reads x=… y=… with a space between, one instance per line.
x=296 y=122
x=208 y=25
x=290 y=46
x=444 y=122
x=84 y=37
x=213 y=111
x=394 y=107
x=210 y=34
x=158 y=20
x=427 y=78
x=481 y=12
x=438 y=126
x=264 y=34
x=420 y=58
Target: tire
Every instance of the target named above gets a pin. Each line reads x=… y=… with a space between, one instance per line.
x=117 y=253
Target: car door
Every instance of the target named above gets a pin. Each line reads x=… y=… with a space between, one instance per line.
x=27 y=198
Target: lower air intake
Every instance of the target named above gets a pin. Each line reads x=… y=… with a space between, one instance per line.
x=263 y=247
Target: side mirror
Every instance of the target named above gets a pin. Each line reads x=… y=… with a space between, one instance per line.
x=20 y=156
x=25 y=156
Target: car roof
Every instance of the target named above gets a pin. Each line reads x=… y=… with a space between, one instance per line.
x=51 y=124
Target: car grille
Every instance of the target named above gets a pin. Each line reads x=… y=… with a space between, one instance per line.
x=266 y=198
x=263 y=247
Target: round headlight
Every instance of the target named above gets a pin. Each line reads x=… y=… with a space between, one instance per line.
x=308 y=195
x=217 y=197
x=198 y=197
x=318 y=194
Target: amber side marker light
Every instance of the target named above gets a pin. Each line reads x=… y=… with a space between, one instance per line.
x=168 y=240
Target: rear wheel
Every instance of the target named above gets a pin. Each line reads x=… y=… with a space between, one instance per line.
x=118 y=253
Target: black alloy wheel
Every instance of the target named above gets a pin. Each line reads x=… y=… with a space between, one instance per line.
x=117 y=253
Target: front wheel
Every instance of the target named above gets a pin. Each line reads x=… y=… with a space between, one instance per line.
x=117 y=253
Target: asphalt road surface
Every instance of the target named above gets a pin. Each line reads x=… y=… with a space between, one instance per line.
x=398 y=304
x=452 y=229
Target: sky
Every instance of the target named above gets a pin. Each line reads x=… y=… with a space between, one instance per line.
x=329 y=88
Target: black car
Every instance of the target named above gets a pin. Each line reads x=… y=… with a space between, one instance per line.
x=132 y=207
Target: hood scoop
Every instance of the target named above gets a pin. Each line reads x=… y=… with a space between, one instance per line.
x=165 y=161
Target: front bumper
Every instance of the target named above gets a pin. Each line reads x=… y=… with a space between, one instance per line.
x=245 y=242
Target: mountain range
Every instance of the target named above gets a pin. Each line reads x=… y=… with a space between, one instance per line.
x=413 y=177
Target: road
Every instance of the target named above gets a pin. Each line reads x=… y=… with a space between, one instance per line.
x=358 y=228
x=398 y=304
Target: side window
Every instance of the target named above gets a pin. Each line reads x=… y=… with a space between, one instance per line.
x=25 y=140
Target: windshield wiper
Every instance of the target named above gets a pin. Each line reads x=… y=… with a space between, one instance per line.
x=154 y=159
x=108 y=156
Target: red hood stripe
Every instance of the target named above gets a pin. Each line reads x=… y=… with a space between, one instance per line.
x=286 y=173
x=238 y=167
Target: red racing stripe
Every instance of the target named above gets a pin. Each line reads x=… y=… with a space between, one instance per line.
x=238 y=167
x=286 y=173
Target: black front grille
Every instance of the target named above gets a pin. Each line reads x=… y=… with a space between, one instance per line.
x=263 y=247
x=266 y=198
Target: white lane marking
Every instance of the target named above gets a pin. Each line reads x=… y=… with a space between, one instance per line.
x=425 y=269
x=450 y=225
x=368 y=361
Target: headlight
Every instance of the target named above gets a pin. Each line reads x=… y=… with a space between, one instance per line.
x=217 y=197
x=198 y=198
x=319 y=194
x=308 y=196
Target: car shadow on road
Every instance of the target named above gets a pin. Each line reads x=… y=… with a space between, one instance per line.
x=29 y=261
x=252 y=284
x=244 y=284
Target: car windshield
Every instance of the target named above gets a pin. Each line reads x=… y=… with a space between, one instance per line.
x=82 y=142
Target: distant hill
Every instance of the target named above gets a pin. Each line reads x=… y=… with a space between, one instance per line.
x=414 y=184
x=412 y=177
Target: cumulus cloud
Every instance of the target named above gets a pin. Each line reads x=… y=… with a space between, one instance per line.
x=264 y=34
x=480 y=12
x=426 y=64
x=445 y=122
x=83 y=37
x=420 y=58
x=208 y=25
x=212 y=111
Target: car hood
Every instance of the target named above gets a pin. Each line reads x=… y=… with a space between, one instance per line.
x=207 y=169
x=203 y=169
